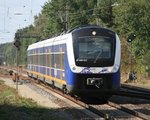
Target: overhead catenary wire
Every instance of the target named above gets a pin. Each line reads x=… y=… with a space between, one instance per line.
x=31 y=12
x=4 y=14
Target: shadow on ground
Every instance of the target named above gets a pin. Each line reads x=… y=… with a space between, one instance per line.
x=9 y=112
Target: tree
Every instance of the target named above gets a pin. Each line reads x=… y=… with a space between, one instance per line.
x=133 y=16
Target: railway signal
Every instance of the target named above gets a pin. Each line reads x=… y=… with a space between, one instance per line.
x=131 y=37
x=132 y=74
x=17 y=43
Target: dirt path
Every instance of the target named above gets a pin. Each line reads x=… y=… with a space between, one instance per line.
x=27 y=92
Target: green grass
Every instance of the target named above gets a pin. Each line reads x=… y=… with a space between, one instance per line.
x=14 y=107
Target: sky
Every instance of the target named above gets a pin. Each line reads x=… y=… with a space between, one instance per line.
x=17 y=14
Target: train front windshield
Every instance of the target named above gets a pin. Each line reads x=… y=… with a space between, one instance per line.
x=94 y=50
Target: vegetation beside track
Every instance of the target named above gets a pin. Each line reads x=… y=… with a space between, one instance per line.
x=123 y=16
x=14 y=107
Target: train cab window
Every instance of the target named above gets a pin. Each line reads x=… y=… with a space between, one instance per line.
x=95 y=48
x=94 y=51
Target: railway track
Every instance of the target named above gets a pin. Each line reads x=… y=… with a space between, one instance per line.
x=132 y=109
x=135 y=88
x=110 y=110
x=134 y=94
x=126 y=90
x=133 y=91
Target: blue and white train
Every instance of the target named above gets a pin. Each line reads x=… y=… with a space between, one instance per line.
x=84 y=61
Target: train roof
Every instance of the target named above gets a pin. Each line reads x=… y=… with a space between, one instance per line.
x=46 y=42
x=88 y=27
x=64 y=35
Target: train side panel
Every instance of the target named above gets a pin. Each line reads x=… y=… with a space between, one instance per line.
x=47 y=63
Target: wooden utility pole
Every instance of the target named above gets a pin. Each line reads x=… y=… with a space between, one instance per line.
x=66 y=18
x=98 y=19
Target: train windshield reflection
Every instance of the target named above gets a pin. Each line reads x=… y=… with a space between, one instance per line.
x=94 y=48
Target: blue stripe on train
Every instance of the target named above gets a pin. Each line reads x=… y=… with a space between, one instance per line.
x=116 y=78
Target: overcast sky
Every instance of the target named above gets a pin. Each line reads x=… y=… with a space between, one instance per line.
x=15 y=14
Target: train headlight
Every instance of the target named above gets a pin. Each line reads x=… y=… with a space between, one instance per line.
x=94 y=33
x=115 y=68
x=73 y=68
x=109 y=69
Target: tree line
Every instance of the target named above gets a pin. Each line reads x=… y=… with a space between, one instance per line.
x=123 y=16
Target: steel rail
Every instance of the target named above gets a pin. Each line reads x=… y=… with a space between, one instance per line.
x=133 y=112
x=90 y=107
x=136 y=88
x=75 y=100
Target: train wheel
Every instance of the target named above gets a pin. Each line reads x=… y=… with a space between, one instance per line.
x=53 y=84
x=44 y=81
x=64 y=89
